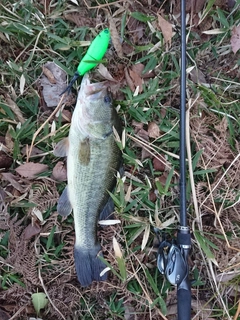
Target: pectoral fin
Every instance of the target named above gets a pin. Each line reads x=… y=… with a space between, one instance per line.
x=84 y=152
x=64 y=207
x=61 y=149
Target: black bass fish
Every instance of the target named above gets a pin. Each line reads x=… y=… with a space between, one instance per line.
x=93 y=159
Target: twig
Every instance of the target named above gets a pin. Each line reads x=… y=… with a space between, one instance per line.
x=231 y=164
x=188 y=145
x=17 y=313
x=99 y=6
x=42 y=126
x=148 y=147
x=45 y=290
x=237 y=312
x=143 y=289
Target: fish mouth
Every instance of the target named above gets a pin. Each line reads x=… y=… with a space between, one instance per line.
x=93 y=91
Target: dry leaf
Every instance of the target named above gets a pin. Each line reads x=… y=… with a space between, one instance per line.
x=81 y=18
x=15 y=109
x=5 y=160
x=166 y=28
x=235 y=39
x=143 y=134
x=35 y=151
x=49 y=75
x=31 y=169
x=145 y=237
x=145 y=154
x=196 y=5
x=22 y=83
x=137 y=126
x=30 y=231
x=162 y=179
x=137 y=80
x=152 y=196
x=8 y=139
x=159 y=164
x=138 y=68
x=105 y=73
x=153 y=130
x=129 y=80
x=115 y=37
x=108 y=222
x=13 y=180
x=60 y=171
x=65 y=115
x=117 y=249
x=197 y=76
x=52 y=91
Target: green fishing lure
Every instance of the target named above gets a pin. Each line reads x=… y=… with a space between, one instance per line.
x=95 y=52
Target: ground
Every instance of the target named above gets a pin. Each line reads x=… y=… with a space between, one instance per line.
x=142 y=65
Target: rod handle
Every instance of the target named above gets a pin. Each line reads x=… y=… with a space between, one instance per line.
x=184 y=301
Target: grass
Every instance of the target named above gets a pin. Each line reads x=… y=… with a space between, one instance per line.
x=146 y=196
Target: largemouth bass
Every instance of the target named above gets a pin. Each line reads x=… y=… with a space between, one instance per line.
x=93 y=159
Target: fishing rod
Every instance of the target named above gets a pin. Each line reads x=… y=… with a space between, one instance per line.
x=172 y=258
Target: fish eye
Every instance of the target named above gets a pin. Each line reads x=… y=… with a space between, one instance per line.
x=107 y=99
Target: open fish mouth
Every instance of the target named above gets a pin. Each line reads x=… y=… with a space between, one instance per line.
x=93 y=91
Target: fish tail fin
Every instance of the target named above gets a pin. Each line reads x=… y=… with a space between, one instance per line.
x=88 y=265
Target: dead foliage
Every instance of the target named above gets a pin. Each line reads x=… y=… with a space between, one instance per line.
x=218 y=195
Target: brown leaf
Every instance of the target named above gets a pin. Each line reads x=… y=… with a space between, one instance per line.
x=127 y=49
x=137 y=80
x=138 y=68
x=49 y=75
x=197 y=5
x=8 y=176
x=115 y=36
x=81 y=18
x=60 y=171
x=166 y=28
x=159 y=163
x=152 y=196
x=129 y=80
x=153 y=130
x=34 y=150
x=52 y=91
x=143 y=134
x=235 y=39
x=145 y=154
x=30 y=231
x=197 y=76
x=8 y=139
x=5 y=160
x=65 y=115
x=31 y=169
x=162 y=179
x=137 y=126
x=105 y=73
x=15 y=109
